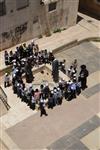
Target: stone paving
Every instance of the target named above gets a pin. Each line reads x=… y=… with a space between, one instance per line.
x=72 y=141
x=92 y=140
x=91 y=91
x=85 y=53
x=88 y=55
x=24 y=129
x=61 y=120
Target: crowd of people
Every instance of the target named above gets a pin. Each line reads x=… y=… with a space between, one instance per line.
x=23 y=60
x=24 y=53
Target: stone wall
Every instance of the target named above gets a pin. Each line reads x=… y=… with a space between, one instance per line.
x=34 y=20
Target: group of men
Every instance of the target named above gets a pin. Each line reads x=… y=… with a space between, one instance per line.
x=30 y=52
x=24 y=59
x=44 y=96
x=83 y=74
x=21 y=52
x=39 y=98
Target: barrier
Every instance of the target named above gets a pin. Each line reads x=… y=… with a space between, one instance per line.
x=3 y=98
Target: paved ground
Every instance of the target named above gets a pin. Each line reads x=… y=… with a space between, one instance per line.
x=78 y=116
x=26 y=130
x=2 y=146
x=41 y=132
x=92 y=140
x=72 y=141
x=85 y=53
x=88 y=54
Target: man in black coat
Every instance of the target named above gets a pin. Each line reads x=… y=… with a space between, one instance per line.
x=28 y=72
x=6 y=57
x=83 y=76
x=55 y=70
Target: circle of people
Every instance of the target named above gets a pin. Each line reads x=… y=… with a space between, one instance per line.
x=43 y=96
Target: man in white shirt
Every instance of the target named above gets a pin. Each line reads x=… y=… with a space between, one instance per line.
x=6 y=80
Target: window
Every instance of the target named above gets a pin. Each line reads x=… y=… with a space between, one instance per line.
x=20 y=4
x=52 y=6
x=2 y=8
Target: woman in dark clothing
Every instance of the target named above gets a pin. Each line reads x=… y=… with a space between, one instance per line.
x=6 y=57
x=11 y=57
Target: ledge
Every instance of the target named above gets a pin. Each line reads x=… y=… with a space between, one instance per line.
x=88 y=39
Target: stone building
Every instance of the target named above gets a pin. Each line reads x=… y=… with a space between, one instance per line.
x=21 y=20
x=91 y=7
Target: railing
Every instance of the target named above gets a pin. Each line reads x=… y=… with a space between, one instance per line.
x=3 y=97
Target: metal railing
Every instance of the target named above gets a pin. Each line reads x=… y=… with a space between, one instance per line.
x=3 y=97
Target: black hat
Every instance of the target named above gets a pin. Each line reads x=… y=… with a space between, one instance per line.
x=83 y=66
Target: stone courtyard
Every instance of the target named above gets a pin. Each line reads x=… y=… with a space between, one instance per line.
x=74 y=125
x=86 y=53
x=67 y=126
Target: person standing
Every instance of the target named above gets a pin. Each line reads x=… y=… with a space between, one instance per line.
x=33 y=103
x=73 y=89
x=46 y=91
x=75 y=64
x=59 y=96
x=55 y=70
x=37 y=95
x=84 y=73
x=28 y=72
x=55 y=96
x=50 y=101
x=6 y=80
x=6 y=57
x=42 y=106
x=63 y=66
x=11 y=57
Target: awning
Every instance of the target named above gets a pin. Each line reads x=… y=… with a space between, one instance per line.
x=46 y=2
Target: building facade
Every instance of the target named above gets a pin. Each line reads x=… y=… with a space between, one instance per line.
x=21 y=20
x=91 y=6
